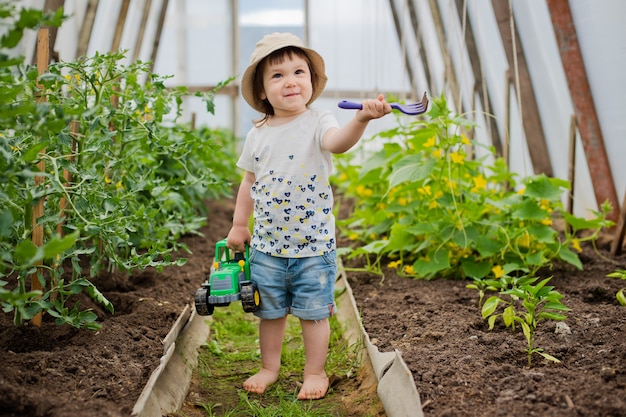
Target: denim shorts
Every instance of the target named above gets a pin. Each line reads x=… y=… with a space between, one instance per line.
x=304 y=287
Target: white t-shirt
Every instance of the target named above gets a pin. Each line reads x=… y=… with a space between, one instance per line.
x=292 y=196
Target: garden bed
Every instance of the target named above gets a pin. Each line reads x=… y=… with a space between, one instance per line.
x=56 y=371
x=459 y=366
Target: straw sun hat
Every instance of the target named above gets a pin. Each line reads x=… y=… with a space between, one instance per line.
x=274 y=42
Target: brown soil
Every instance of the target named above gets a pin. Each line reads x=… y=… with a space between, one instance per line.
x=56 y=371
x=460 y=367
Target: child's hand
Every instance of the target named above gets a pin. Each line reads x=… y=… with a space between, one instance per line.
x=237 y=238
x=373 y=109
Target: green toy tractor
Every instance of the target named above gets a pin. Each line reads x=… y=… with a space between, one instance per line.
x=228 y=281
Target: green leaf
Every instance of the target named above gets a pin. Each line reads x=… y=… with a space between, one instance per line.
x=376 y=246
x=551 y=316
x=570 y=257
x=618 y=274
x=536 y=258
x=24 y=251
x=6 y=223
x=488 y=246
x=556 y=305
x=98 y=297
x=580 y=223
x=542 y=233
x=549 y=357
x=527 y=331
x=439 y=260
x=490 y=306
x=398 y=238
x=31 y=153
x=474 y=269
x=529 y=210
x=508 y=315
x=466 y=236
x=57 y=245
x=543 y=187
x=378 y=161
x=411 y=168
x=621 y=297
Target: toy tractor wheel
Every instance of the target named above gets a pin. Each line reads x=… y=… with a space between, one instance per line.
x=203 y=307
x=250 y=298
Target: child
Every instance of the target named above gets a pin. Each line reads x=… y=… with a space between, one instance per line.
x=287 y=163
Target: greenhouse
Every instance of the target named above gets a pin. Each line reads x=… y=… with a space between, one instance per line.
x=312 y=208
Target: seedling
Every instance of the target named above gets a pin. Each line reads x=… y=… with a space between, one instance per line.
x=621 y=294
x=540 y=301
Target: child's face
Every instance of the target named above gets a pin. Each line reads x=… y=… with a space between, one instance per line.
x=287 y=85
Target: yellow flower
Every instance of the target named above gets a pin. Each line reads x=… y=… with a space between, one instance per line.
x=402 y=201
x=394 y=264
x=107 y=180
x=119 y=185
x=576 y=245
x=437 y=153
x=524 y=240
x=457 y=158
x=521 y=191
x=546 y=222
x=433 y=204
x=409 y=270
x=464 y=139
x=498 y=272
x=480 y=183
x=450 y=183
x=430 y=142
x=425 y=190
x=363 y=192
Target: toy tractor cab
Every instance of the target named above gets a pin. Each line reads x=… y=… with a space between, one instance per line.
x=228 y=281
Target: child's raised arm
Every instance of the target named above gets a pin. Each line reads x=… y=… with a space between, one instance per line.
x=342 y=139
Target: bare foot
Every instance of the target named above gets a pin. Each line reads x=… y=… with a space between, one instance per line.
x=314 y=387
x=259 y=382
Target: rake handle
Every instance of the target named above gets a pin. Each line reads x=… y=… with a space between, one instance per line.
x=350 y=105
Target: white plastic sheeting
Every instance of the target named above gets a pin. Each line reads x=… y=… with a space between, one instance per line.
x=363 y=53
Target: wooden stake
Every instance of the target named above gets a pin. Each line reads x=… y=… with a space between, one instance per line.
x=582 y=99
x=157 y=35
x=119 y=27
x=86 y=28
x=572 y=164
x=520 y=74
x=507 y=118
x=43 y=58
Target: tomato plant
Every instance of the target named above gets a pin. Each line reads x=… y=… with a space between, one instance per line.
x=123 y=179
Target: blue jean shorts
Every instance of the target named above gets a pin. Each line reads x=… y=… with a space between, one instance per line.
x=304 y=287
